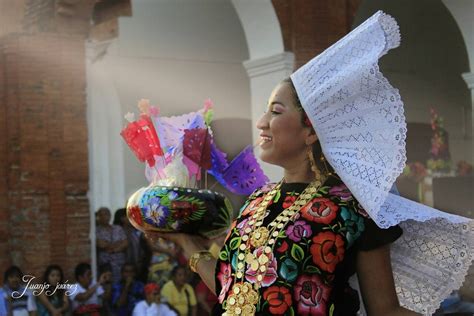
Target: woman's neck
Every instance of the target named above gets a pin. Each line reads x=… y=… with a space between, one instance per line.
x=179 y=287
x=298 y=174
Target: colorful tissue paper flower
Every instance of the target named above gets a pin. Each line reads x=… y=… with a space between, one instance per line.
x=141 y=137
x=162 y=141
x=244 y=174
x=197 y=147
x=144 y=106
x=154 y=111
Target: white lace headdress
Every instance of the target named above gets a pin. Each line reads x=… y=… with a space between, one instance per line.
x=359 y=119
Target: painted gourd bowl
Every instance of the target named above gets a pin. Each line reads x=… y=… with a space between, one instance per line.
x=176 y=209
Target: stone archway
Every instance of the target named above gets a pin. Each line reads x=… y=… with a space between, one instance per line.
x=268 y=63
x=463 y=13
x=427 y=68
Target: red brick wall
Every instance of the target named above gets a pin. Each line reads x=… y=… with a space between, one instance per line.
x=44 y=210
x=311 y=26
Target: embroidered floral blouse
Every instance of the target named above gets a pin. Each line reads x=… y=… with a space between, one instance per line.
x=311 y=262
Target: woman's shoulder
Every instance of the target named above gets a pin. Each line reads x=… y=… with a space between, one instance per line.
x=262 y=190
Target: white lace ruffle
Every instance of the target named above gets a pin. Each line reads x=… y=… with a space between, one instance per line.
x=356 y=113
x=360 y=121
x=430 y=260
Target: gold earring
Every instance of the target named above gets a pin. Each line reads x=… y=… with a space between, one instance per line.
x=323 y=160
x=312 y=164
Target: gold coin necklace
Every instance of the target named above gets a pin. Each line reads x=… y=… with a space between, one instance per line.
x=244 y=296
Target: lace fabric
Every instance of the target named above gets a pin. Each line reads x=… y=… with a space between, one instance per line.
x=359 y=119
x=356 y=113
x=430 y=260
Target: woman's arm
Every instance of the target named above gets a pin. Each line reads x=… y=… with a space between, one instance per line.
x=102 y=244
x=82 y=297
x=120 y=245
x=191 y=244
x=374 y=271
x=44 y=300
x=201 y=299
x=65 y=306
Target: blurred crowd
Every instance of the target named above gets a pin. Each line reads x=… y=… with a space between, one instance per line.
x=135 y=276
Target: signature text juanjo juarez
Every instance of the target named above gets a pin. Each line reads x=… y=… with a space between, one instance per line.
x=47 y=289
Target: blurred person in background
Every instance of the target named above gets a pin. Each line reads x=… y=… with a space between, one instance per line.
x=127 y=292
x=163 y=259
x=179 y=294
x=87 y=296
x=19 y=305
x=53 y=302
x=151 y=305
x=111 y=243
x=137 y=248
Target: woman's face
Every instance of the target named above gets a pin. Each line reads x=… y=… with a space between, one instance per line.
x=54 y=277
x=284 y=138
x=103 y=217
x=180 y=277
x=14 y=281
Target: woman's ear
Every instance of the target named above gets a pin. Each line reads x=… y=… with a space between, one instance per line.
x=311 y=137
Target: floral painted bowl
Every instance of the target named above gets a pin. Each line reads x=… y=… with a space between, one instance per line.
x=175 y=209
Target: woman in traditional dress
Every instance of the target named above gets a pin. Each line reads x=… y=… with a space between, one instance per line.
x=337 y=129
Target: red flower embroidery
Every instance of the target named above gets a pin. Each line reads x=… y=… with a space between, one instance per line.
x=135 y=215
x=283 y=247
x=311 y=294
x=182 y=209
x=278 y=298
x=320 y=210
x=327 y=250
x=289 y=200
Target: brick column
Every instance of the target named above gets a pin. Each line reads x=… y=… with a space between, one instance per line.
x=44 y=214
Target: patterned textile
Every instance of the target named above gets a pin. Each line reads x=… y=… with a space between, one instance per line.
x=111 y=234
x=312 y=260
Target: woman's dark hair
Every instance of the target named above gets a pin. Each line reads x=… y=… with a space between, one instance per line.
x=106 y=267
x=176 y=269
x=103 y=208
x=81 y=269
x=11 y=271
x=318 y=155
x=46 y=274
x=121 y=212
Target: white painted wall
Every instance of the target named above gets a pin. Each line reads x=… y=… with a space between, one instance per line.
x=261 y=27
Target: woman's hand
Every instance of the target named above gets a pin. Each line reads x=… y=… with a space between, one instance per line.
x=189 y=243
